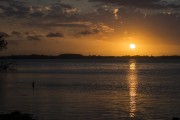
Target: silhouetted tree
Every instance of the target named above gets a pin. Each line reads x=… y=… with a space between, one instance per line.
x=3 y=43
x=4 y=65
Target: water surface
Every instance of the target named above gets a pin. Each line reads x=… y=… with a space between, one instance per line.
x=93 y=89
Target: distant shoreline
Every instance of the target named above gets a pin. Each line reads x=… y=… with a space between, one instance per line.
x=79 y=56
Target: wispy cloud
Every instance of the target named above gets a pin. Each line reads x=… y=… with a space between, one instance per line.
x=146 y=4
x=51 y=35
x=34 y=38
x=89 y=32
x=116 y=13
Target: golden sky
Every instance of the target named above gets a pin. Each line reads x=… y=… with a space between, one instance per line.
x=91 y=27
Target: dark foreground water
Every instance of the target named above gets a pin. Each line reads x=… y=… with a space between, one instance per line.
x=93 y=89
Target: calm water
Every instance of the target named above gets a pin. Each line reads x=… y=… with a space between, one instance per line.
x=93 y=89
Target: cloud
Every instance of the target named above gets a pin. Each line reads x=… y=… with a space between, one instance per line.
x=16 y=33
x=105 y=28
x=106 y=16
x=54 y=34
x=17 y=9
x=34 y=38
x=4 y=34
x=116 y=13
x=11 y=39
x=12 y=8
x=147 y=4
x=89 y=32
x=61 y=24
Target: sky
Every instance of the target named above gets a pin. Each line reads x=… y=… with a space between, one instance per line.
x=90 y=27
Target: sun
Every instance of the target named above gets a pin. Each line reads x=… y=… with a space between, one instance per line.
x=132 y=46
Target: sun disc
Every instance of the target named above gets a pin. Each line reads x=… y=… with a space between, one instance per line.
x=132 y=46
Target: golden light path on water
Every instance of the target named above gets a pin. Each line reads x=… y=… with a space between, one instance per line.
x=132 y=82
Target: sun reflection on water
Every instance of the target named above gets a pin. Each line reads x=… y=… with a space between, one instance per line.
x=132 y=65
x=132 y=81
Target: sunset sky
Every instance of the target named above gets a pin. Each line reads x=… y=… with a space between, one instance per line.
x=91 y=27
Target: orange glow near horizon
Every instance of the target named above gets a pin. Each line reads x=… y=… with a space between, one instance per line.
x=94 y=45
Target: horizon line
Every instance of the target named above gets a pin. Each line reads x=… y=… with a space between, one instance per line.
x=81 y=55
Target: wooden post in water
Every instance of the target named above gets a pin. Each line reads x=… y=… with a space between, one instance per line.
x=33 y=85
